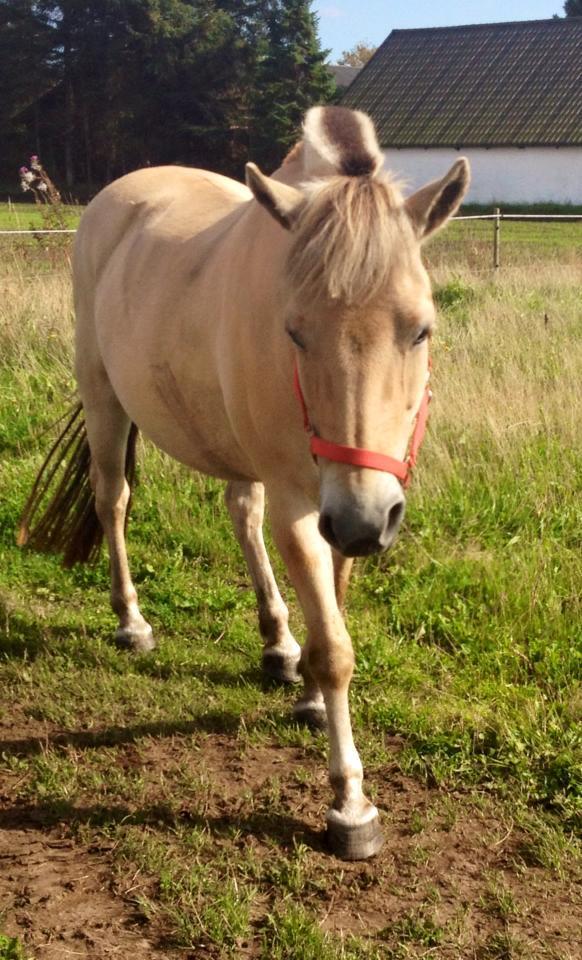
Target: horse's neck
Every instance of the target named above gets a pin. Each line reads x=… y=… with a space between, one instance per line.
x=292 y=170
x=258 y=249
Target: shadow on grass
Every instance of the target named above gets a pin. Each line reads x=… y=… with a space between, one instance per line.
x=285 y=830
x=213 y=674
x=216 y=721
x=26 y=638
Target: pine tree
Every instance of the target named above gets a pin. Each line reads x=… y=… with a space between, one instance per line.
x=101 y=87
x=291 y=76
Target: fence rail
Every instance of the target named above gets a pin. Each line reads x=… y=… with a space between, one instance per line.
x=497 y=216
x=33 y=232
x=522 y=216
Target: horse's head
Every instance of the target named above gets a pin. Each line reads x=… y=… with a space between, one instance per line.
x=359 y=311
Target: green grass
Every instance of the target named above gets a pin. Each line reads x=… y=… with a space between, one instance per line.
x=521 y=243
x=468 y=642
x=27 y=216
x=11 y=949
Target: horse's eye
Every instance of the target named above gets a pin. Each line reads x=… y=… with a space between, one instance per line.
x=422 y=335
x=296 y=338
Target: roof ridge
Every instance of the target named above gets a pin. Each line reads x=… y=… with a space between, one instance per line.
x=499 y=23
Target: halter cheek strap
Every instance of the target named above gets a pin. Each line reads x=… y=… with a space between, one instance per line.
x=358 y=457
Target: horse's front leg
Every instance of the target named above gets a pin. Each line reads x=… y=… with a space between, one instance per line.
x=352 y=821
x=281 y=652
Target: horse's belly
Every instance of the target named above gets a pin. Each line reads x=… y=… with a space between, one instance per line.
x=187 y=421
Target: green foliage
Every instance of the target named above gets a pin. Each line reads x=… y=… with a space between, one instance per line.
x=295 y=934
x=358 y=55
x=453 y=293
x=27 y=216
x=11 y=949
x=573 y=8
x=291 y=76
x=107 y=86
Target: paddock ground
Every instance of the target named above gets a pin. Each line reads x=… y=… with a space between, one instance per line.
x=166 y=806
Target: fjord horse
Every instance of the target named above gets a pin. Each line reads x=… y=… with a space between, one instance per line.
x=199 y=301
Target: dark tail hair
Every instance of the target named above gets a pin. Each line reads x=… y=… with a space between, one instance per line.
x=69 y=524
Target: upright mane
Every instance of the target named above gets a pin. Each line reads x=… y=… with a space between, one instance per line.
x=344 y=240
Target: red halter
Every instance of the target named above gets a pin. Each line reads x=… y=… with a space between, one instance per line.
x=358 y=457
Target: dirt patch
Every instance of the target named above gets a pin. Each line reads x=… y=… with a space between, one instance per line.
x=451 y=878
x=56 y=896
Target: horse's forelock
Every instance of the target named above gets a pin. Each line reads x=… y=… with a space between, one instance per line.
x=344 y=242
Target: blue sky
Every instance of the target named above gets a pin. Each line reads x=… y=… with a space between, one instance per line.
x=342 y=23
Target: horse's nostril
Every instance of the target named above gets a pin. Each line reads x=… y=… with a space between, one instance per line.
x=326 y=529
x=395 y=515
x=356 y=534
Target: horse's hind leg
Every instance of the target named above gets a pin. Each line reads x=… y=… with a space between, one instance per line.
x=281 y=653
x=342 y=568
x=109 y=431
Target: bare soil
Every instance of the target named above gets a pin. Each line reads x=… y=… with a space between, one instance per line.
x=443 y=855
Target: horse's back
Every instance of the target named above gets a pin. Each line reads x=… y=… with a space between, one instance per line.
x=165 y=204
x=140 y=243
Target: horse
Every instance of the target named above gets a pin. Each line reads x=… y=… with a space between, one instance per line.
x=200 y=302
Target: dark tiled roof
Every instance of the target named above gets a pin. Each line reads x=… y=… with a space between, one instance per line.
x=499 y=84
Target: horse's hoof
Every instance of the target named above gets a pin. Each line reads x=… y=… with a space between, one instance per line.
x=355 y=841
x=281 y=667
x=135 y=639
x=312 y=713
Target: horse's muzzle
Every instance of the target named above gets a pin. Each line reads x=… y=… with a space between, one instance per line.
x=356 y=535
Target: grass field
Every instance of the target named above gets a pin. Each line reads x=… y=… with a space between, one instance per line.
x=30 y=216
x=166 y=805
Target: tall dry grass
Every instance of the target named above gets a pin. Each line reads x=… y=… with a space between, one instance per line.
x=508 y=361
x=36 y=309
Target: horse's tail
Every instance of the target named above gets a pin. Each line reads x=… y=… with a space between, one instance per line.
x=69 y=523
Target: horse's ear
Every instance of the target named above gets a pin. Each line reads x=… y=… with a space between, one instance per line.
x=431 y=206
x=282 y=201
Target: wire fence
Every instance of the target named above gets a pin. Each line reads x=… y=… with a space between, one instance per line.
x=469 y=239
x=498 y=216
x=32 y=231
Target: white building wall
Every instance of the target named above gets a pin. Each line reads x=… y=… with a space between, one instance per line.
x=499 y=175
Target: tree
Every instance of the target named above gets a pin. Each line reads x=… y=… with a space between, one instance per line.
x=101 y=87
x=104 y=86
x=26 y=76
x=290 y=77
x=358 y=55
x=573 y=8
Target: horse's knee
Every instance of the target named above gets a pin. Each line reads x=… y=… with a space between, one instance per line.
x=245 y=503
x=330 y=660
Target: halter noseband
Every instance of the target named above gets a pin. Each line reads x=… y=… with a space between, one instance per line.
x=358 y=457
